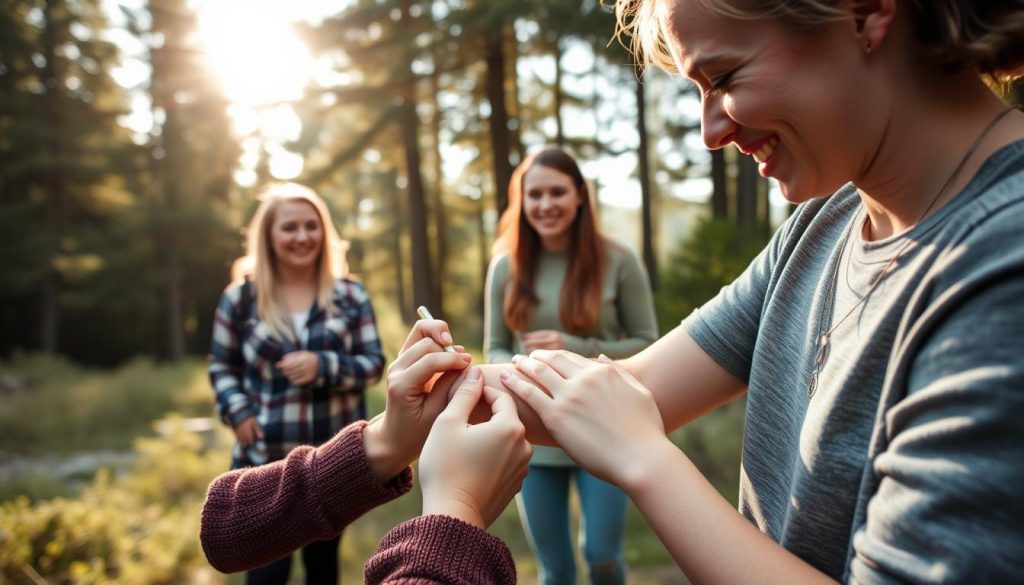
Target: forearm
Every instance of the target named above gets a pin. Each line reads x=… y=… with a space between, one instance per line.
x=256 y=515
x=613 y=348
x=705 y=535
x=684 y=380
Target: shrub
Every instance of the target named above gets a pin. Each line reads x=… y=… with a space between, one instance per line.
x=712 y=257
x=141 y=529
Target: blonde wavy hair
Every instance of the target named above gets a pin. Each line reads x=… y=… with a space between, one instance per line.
x=259 y=262
x=956 y=34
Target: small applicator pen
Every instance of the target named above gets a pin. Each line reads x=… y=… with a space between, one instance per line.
x=425 y=314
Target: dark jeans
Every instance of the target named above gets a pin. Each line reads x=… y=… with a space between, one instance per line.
x=319 y=558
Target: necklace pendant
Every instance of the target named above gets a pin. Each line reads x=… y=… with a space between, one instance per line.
x=823 y=344
x=813 y=385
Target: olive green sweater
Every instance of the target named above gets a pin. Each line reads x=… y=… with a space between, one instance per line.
x=625 y=325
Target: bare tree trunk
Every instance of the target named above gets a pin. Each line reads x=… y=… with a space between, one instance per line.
x=55 y=187
x=495 y=83
x=559 y=97
x=746 y=195
x=644 y=172
x=398 y=257
x=437 y=201
x=485 y=253
x=719 y=187
x=515 y=109
x=422 y=273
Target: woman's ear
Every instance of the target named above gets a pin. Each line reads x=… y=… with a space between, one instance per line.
x=874 y=19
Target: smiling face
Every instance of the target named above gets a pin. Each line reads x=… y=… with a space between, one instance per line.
x=551 y=202
x=296 y=235
x=799 y=102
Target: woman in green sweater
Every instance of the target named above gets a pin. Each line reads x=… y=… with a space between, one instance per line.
x=555 y=282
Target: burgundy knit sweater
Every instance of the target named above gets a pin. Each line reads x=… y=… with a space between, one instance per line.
x=257 y=515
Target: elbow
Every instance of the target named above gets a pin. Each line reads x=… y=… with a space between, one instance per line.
x=218 y=545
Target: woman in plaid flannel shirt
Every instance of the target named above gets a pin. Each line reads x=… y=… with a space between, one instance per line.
x=294 y=346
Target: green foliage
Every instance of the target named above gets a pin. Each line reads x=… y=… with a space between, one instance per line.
x=62 y=408
x=712 y=257
x=139 y=529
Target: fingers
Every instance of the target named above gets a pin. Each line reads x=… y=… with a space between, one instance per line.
x=466 y=396
x=550 y=367
x=503 y=408
x=533 y=396
x=428 y=329
x=439 y=360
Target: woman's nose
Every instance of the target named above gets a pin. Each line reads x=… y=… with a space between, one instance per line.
x=716 y=127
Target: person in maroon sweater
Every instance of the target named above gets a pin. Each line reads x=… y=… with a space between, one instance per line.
x=469 y=473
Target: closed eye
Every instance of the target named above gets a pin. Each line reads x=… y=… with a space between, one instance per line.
x=719 y=83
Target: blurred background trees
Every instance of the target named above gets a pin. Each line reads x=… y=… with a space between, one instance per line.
x=134 y=135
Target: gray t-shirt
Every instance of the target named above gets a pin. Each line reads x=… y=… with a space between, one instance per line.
x=907 y=462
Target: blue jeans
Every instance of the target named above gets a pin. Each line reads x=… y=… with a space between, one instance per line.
x=544 y=508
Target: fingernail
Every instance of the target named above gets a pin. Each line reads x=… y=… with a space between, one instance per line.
x=466 y=357
x=516 y=359
x=505 y=375
x=604 y=358
x=446 y=337
x=473 y=375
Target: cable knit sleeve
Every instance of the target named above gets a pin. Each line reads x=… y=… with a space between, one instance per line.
x=440 y=549
x=257 y=515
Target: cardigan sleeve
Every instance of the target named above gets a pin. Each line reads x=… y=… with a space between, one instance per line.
x=257 y=515
x=440 y=549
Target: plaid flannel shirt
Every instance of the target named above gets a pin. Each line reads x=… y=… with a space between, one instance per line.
x=246 y=383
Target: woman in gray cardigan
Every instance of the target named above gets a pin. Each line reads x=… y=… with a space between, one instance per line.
x=557 y=283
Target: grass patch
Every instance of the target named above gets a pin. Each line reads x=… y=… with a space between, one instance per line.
x=61 y=408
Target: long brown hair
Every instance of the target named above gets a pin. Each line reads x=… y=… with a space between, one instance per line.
x=259 y=262
x=580 y=300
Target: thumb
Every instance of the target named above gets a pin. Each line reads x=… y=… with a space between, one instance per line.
x=466 y=396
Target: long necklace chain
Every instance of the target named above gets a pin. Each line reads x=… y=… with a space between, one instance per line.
x=824 y=339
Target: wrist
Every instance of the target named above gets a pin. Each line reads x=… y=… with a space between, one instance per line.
x=644 y=469
x=454 y=509
x=385 y=458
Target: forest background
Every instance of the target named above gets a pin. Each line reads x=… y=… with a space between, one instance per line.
x=134 y=136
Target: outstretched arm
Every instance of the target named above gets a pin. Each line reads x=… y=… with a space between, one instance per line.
x=610 y=424
x=254 y=516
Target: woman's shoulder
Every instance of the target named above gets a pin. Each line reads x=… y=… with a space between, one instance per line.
x=618 y=253
x=234 y=290
x=348 y=287
x=499 y=263
x=994 y=208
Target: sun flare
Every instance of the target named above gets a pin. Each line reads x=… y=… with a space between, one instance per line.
x=253 y=51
